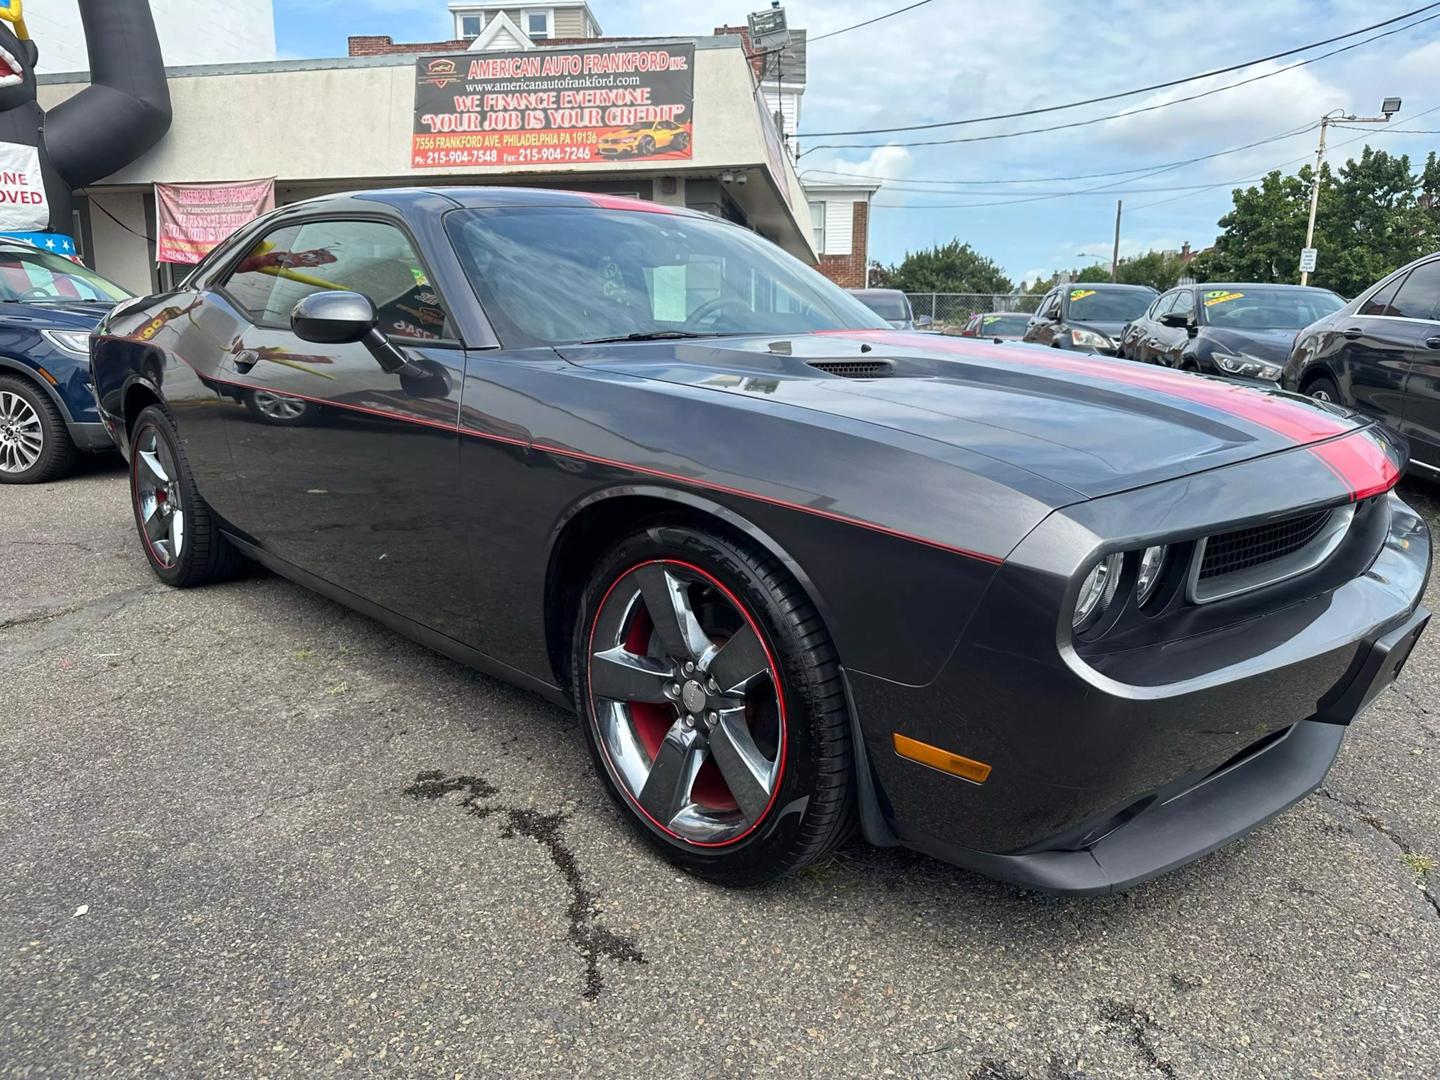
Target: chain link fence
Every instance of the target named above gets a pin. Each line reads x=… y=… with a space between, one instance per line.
x=951 y=311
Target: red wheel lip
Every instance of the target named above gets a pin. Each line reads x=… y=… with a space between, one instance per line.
x=774 y=678
x=135 y=498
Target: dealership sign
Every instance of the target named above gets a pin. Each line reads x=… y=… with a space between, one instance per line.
x=194 y=218
x=558 y=107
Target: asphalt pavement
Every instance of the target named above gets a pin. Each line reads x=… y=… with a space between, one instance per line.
x=244 y=832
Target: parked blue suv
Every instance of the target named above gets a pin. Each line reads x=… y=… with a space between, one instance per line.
x=48 y=306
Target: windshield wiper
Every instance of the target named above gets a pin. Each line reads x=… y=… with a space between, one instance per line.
x=649 y=335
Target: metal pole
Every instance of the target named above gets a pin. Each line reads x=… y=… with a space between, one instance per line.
x=1315 y=194
x=1115 y=255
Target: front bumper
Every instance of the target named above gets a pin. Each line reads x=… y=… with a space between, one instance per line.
x=1109 y=770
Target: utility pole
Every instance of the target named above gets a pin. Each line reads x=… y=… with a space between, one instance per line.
x=1115 y=254
x=1388 y=108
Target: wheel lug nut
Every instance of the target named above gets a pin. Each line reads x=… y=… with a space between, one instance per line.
x=689 y=721
x=713 y=686
x=689 y=668
x=711 y=719
x=672 y=690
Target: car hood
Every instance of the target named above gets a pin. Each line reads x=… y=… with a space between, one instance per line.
x=60 y=315
x=1096 y=426
x=1272 y=345
x=1109 y=329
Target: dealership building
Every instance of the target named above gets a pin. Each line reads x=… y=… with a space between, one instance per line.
x=681 y=121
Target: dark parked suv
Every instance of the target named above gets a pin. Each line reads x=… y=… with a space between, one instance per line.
x=48 y=306
x=1240 y=331
x=1088 y=316
x=1380 y=354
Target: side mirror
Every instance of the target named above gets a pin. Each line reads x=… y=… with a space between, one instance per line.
x=1175 y=319
x=345 y=318
x=924 y=320
x=333 y=318
x=1056 y=315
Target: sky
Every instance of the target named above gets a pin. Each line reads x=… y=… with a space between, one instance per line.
x=952 y=59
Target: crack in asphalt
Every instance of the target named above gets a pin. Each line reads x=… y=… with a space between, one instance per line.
x=1367 y=815
x=591 y=938
x=58 y=624
x=1138 y=1028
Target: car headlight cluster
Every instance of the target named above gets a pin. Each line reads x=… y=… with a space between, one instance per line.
x=1090 y=339
x=1248 y=366
x=1101 y=585
x=71 y=341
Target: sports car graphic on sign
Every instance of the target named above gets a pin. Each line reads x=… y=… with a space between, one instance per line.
x=1062 y=620
x=644 y=140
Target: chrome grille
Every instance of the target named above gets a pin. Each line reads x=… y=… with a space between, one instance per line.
x=1227 y=553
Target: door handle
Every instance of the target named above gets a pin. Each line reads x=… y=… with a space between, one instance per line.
x=1353 y=332
x=246 y=360
x=1433 y=342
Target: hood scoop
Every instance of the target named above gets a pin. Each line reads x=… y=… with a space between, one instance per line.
x=855 y=369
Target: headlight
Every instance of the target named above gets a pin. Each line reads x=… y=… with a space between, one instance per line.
x=70 y=341
x=1248 y=366
x=1090 y=339
x=1147 y=580
x=1098 y=589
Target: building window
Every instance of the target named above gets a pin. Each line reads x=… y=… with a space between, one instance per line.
x=471 y=25
x=817 y=226
x=537 y=25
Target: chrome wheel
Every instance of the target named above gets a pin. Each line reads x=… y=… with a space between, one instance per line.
x=687 y=703
x=21 y=436
x=278 y=407
x=154 y=480
x=1320 y=394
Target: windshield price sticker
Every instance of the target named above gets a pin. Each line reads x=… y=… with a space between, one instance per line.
x=1080 y=294
x=1222 y=297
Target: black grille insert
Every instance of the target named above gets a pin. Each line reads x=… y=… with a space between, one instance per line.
x=855 y=369
x=1231 y=552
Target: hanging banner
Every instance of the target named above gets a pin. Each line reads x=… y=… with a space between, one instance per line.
x=554 y=107
x=195 y=218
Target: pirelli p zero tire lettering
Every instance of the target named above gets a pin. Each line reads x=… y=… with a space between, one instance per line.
x=178 y=533
x=713 y=704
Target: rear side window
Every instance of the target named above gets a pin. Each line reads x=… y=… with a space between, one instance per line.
x=1164 y=305
x=1419 y=295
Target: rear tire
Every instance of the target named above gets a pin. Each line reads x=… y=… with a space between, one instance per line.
x=667 y=753
x=26 y=415
x=1323 y=388
x=178 y=532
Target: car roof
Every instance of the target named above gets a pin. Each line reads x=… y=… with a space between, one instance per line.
x=1232 y=285
x=486 y=197
x=1099 y=285
x=876 y=292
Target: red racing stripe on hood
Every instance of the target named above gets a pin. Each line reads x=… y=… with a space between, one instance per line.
x=1361 y=463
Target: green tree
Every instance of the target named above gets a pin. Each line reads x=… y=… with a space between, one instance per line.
x=1159 y=269
x=1375 y=214
x=1095 y=272
x=952 y=268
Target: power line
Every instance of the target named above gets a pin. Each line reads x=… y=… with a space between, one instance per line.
x=1292 y=133
x=1292 y=161
x=1123 y=93
x=1128 y=112
x=846 y=29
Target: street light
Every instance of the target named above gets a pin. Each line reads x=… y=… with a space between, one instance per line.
x=1388 y=108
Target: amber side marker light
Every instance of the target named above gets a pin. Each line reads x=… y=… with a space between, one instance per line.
x=977 y=772
x=47 y=376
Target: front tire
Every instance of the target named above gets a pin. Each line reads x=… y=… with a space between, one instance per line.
x=179 y=534
x=713 y=705
x=1323 y=388
x=35 y=444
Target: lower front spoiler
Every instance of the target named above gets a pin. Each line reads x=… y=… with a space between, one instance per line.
x=1192 y=819
x=1163 y=837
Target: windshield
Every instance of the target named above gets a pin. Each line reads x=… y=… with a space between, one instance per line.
x=35 y=277
x=561 y=275
x=1268 y=309
x=1107 y=305
x=998 y=325
x=890 y=306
